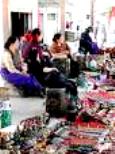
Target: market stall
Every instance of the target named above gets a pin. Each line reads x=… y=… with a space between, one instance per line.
x=83 y=125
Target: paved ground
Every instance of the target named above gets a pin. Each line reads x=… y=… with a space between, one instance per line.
x=22 y=107
x=26 y=107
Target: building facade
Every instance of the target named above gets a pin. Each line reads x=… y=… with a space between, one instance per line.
x=53 y=16
x=23 y=15
x=49 y=18
x=16 y=17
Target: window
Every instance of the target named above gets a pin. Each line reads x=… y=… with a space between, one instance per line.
x=52 y=16
x=21 y=22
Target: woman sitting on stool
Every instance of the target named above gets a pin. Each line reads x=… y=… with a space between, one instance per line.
x=13 y=72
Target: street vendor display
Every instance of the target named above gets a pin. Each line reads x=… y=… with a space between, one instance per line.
x=87 y=125
x=33 y=136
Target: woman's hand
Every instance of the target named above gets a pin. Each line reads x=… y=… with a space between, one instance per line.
x=46 y=54
x=25 y=73
x=66 y=52
x=59 y=56
x=24 y=67
x=55 y=69
x=47 y=69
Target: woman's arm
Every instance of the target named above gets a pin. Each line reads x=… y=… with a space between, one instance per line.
x=59 y=56
x=48 y=69
x=8 y=63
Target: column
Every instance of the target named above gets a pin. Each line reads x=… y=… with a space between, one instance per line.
x=35 y=14
x=1 y=30
x=6 y=18
x=92 y=12
x=62 y=14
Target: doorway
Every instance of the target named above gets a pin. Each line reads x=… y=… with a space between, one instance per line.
x=20 y=23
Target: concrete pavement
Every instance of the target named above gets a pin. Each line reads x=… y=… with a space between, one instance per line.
x=25 y=107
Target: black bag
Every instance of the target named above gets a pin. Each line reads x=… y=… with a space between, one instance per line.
x=55 y=102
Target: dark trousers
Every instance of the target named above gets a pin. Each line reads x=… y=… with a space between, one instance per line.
x=74 y=69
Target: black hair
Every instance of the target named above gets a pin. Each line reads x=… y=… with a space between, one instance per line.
x=57 y=37
x=10 y=40
x=36 y=31
x=89 y=29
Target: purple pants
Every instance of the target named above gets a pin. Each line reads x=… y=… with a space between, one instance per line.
x=20 y=80
x=95 y=49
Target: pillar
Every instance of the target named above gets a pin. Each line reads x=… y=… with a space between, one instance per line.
x=1 y=30
x=62 y=14
x=92 y=12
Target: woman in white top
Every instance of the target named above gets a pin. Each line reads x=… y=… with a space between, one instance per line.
x=12 y=71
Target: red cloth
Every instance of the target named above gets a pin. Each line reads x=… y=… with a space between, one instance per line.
x=28 y=37
x=93 y=123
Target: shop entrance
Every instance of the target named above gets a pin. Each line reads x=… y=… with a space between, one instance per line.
x=20 y=23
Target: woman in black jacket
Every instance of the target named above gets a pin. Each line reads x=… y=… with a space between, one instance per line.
x=47 y=75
